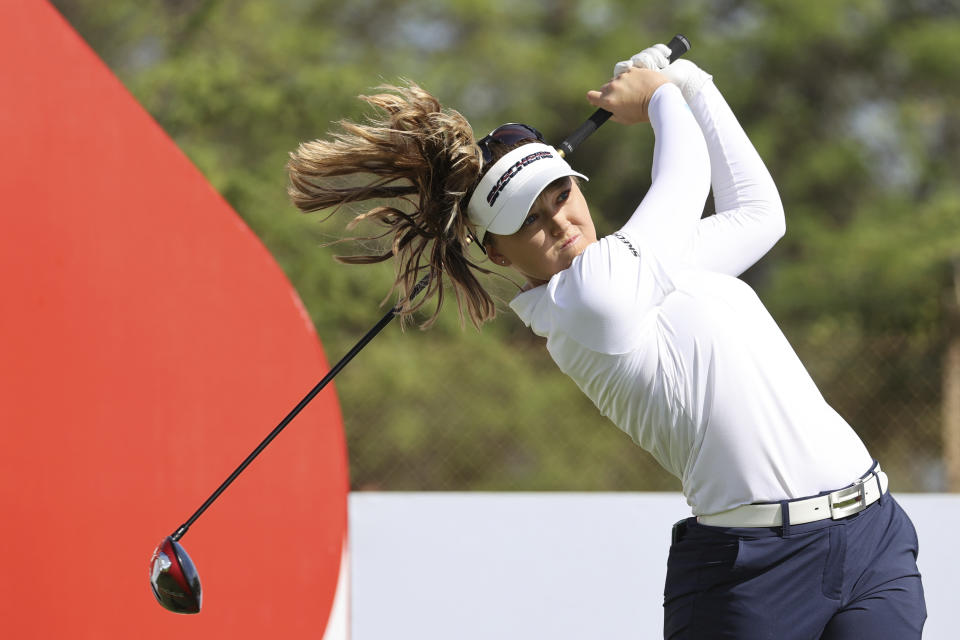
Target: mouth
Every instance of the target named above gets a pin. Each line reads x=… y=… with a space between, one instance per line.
x=569 y=242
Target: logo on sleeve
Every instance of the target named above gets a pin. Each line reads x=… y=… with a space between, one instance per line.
x=622 y=238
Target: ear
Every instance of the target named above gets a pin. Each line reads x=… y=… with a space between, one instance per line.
x=496 y=256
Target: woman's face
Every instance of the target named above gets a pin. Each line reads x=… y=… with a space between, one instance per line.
x=557 y=229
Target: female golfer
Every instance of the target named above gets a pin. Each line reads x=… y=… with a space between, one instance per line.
x=793 y=533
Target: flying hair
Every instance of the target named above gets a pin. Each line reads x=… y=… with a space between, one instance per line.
x=411 y=167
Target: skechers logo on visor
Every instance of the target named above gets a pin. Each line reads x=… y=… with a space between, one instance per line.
x=512 y=171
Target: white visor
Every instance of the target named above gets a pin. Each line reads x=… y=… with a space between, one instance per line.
x=502 y=199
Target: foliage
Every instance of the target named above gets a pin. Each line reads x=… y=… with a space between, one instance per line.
x=853 y=105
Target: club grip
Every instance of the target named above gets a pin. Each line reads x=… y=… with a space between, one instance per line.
x=678 y=46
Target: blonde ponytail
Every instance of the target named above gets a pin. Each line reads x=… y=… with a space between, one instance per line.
x=418 y=163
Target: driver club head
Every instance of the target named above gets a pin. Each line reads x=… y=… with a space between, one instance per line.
x=174 y=579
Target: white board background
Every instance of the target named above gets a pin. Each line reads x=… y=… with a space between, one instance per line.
x=563 y=566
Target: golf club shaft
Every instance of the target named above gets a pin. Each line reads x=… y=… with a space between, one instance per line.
x=678 y=45
x=384 y=321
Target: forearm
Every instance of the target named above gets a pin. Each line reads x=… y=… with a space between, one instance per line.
x=670 y=211
x=749 y=217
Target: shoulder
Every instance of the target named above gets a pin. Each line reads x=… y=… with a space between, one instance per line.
x=596 y=280
x=598 y=301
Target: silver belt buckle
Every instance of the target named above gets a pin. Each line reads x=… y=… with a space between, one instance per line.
x=849 y=501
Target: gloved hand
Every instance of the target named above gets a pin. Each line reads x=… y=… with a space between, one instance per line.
x=656 y=58
x=686 y=75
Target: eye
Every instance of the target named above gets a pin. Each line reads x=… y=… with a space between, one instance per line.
x=530 y=219
x=563 y=196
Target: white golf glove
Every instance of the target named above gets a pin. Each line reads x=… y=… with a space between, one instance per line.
x=683 y=73
x=656 y=57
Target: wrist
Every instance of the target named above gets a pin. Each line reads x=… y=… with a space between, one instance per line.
x=688 y=77
x=665 y=99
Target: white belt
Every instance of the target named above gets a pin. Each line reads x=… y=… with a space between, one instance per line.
x=839 y=504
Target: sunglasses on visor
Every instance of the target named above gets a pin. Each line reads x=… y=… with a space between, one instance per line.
x=507 y=135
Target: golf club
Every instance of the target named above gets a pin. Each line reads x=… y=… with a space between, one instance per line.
x=174 y=579
x=678 y=46
x=173 y=576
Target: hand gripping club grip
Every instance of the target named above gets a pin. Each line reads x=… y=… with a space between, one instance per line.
x=679 y=45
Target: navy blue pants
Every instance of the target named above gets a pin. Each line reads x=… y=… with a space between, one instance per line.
x=832 y=579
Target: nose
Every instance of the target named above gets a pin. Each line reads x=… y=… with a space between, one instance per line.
x=559 y=223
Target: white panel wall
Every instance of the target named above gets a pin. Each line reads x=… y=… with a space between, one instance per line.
x=563 y=566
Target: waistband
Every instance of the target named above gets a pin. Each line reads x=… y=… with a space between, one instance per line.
x=835 y=505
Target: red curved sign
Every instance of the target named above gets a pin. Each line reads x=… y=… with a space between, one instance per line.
x=148 y=342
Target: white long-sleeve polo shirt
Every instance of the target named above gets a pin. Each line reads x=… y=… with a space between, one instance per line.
x=652 y=324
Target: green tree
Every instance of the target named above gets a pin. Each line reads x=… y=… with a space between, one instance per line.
x=851 y=103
